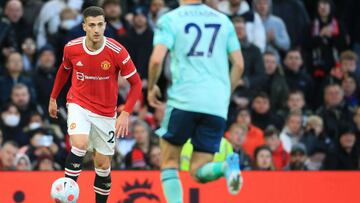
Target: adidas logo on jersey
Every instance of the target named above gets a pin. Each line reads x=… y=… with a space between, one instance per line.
x=79 y=63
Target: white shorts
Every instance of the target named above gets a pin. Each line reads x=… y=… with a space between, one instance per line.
x=101 y=129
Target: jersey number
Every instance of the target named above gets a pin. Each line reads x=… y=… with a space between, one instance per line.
x=112 y=134
x=197 y=28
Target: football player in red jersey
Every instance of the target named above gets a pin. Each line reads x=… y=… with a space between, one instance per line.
x=95 y=62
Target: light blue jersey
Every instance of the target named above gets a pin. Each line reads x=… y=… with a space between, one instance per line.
x=199 y=39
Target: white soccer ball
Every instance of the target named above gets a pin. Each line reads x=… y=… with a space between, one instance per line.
x=65 y=190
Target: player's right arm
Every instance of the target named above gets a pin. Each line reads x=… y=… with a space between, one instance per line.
x=235 y=56
x=62 y=76
x=237 y=68
x=163 y=41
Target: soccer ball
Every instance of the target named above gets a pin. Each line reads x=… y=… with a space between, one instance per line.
x=65 y=190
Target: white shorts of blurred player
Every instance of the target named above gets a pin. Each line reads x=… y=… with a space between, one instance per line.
x=101 y=129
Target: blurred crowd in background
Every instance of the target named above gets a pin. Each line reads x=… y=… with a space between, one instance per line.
x=295 y=108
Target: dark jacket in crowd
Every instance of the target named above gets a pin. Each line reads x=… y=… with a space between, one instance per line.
x=277 y=89
x=295 y=16
x=254 y=69
x=262 y=121
x=7 y=83
x=22 y=31
x=313 y=142
x=139 y=46
x=7 y=39
x=43 y=82
x=323 y=51
x=339 y=159
x=333 y=117
x=300 y=81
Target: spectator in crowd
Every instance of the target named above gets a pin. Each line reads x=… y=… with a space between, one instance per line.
x=48 y=20
x=295 y=102
x=314 y=136
x=296 y=76
x=334 y=109
x=138 y=157
x=22 y=163
x=327 y=39
x=352 y=20
x=28 y=48
x=261 y=114
x=254 y=135
x=44 y=76
x=31 y=11
x=20 y=96
x=254 y=70
x=348 y=63
x=14 y=76
x=43 y=143
x=69 y=19
x=298 y=158
x=14 y=12
x=316 y=159
x=115 y=21
x=351 y=91
x=237 y=137
x=277 y=38
x=45 y=163
x=8 y=153
x=157 y=8
x=154 y=157
x=263 y=159
x=295 y=17
x=10 y=125
x=8 y=41
x=132 y=4
x=279 y=155
x=138 y=41
x=292 y=132
x=254 y=27
x=346 y=155
x=275 y=85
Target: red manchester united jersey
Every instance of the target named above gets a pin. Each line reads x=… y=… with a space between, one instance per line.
x=95 y=74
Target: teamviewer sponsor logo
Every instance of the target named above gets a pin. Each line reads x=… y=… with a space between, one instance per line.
x=81 y=76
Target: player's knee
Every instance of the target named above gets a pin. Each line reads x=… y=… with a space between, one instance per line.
x=80 y=145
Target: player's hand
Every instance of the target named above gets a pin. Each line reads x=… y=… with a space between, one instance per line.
x=122 y=124
x=53 y=110
x=153 y=95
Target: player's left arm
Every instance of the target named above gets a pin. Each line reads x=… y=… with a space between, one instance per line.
x=128 y=71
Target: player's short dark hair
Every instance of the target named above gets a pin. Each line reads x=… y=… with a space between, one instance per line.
x=93 y=11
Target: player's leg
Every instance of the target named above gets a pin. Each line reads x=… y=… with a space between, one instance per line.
x=78 y=129
x=206 y=142
x=177 y=127
x=102 y=183
x=170 y=157
x=102 y=142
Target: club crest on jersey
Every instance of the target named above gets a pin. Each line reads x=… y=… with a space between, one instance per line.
x=105 y=65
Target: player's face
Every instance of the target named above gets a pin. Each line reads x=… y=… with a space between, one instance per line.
x=94 y=28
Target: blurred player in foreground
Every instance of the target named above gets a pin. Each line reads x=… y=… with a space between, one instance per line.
x=95 y=62
x=200 y=41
